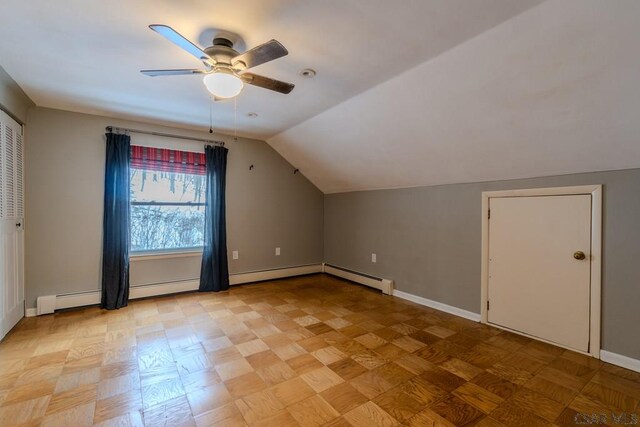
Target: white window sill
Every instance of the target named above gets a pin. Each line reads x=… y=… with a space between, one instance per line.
x=145 y=256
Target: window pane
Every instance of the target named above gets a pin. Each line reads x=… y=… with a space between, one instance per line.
x=161 y=227
x=166 y=227
x=152 y=186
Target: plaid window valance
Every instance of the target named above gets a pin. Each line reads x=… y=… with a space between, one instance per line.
x=165 y=160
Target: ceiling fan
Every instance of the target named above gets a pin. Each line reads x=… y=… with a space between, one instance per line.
x=225 y=70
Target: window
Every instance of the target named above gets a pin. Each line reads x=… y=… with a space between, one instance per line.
x=167 y=200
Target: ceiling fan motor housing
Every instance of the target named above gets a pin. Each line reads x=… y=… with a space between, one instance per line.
x=222 y=52
x=222 y=41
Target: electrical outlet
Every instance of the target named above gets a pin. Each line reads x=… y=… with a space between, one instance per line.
x=277 y=251
x=374 y=258
x=235 y=254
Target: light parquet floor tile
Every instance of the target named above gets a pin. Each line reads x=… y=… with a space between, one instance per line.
x=258 y=406
x=314 y=411
x=208 y=398
x=313 y=350
x=80 y=415
x=344 y=397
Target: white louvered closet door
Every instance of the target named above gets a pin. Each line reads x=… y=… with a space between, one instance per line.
x=11 y=224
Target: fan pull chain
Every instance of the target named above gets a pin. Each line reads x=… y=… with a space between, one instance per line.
x=235 y=118
x=210 y=114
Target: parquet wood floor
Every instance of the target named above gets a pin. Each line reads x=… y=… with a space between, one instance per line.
x=307 y=351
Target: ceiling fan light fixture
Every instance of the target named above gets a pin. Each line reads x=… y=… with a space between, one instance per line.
x=223 y=84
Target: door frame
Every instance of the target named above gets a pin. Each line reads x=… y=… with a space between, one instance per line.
x=595 y=191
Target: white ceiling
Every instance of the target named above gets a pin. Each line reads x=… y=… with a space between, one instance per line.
x=555 y=90
x=421 y=92
x=84 y=55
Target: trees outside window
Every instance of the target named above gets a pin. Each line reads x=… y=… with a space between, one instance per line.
x=167 y=210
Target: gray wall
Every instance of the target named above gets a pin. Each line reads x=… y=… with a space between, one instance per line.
x=266 y=207
x=428 y=239
x=13 y=100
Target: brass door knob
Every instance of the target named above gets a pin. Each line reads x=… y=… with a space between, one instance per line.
x=579 y=255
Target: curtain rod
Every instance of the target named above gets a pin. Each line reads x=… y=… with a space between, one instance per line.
x=166 y=135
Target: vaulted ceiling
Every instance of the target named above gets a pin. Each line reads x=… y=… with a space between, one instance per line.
x=555 y=90
x=419 y=92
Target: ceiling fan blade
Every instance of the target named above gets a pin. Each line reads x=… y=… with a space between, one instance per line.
x=266 y=52
x=178 y=72
x=176 y=38
x=267 y=83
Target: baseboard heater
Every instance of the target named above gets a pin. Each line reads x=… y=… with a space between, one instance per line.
x=384 y=285
x=49 y=303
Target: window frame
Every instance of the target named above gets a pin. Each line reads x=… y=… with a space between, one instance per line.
x=164 y=252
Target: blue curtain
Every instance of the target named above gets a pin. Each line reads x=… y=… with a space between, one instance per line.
x=115 y=225
x=214 y=272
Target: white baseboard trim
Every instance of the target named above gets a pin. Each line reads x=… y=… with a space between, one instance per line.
x=259 y=276
x=620 y=360
x=135 y=292
x=77 y=300
x=384 y=285
x=145 y=291
x=437 y=305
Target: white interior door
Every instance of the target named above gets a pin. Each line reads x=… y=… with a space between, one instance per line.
x=536 y=283
x=11 y=224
